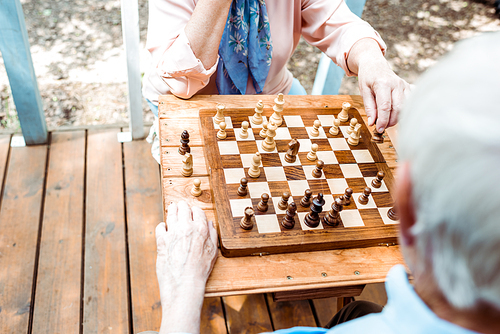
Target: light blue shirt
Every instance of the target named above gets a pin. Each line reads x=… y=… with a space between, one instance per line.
x=405 y=313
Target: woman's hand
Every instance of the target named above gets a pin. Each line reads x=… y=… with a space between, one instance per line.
x=186 y=254
x=382 y=90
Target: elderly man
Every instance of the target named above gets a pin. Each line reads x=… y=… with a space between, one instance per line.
x=449 y=205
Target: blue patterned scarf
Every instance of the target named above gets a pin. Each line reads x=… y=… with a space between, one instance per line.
x=245 y=48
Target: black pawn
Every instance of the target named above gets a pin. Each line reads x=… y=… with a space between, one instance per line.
x=306 y=200
x=184 y=143
x=347 y=196
x=312 y=219
x=377 y=137
x=332 y=218
x=246 y=222
x=283 y=203
x=263 y=206
x=377 y=182
x=363 y=198
x=242 y=189
x=392 y=214
x=289 y=221
x=317 y=170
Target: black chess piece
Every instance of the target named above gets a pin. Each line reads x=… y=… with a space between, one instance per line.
x=392 y=214
x=283 y=203
x=293 y=150
x=263 y=206
x=289 y=221
x=246 y=222
x=377 y=182
x=363 y=198
x=312 y=219
x=242 y=189
x=332 y=218
x=347 y=196
x=317 y=171
x=184 y=143
x=306 y=200
x=377 y=137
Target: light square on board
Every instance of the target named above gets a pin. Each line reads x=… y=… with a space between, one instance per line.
x=256 y=189
x=275 y=174
x=385 y=218
x=298 y=187
x=351 y=218
x=261 y=150
x=308 y=171
x=362 y=156
x=328 y=157
x=247 y=159
x=350 y=170
x=253 y=125
x=383 y=187
x=343 y=129
x=284 y=163
x=249 y=131
x=305 y=145
x=234 y=175
x=267 y=224
x=293 y=121
x=337 y=186
x=338 y=144
x=282 y=133
x=321 y=135
x=227 y=120
x=328 y=203
x=238 y=206
x=370 y=205
x=326 y=120
x=302 y=216
x=228 y=147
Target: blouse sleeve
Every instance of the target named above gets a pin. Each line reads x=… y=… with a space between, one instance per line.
x=174 y=67
x=334 y=29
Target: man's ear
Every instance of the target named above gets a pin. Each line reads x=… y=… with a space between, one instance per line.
x=404 y=202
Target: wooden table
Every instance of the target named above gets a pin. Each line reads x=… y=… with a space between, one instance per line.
x=337 y=273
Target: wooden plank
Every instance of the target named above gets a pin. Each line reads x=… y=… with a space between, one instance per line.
x=130 y=30
x=57 y=307
x=349 y=291
x=287 y=314
x=172 y=166
x=179 y=189
x=19 y=227
x=325 y=309
x=172 y=130
x=105 y=291
x=247 y=314
x=212 y=317
x=15 y=49
x=144 y=212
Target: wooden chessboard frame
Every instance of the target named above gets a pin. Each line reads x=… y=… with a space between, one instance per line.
x=237 y=242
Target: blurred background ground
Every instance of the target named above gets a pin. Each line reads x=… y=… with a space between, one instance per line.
x=79 y=58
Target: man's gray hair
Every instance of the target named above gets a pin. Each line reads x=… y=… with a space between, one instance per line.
x=450 y=134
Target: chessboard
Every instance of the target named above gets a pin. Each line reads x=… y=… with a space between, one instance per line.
x=344 y=166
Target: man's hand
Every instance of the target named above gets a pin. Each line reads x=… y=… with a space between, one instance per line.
x=382 y=90
x=186 y=254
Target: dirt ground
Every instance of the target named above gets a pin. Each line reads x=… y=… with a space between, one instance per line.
x=79 y=58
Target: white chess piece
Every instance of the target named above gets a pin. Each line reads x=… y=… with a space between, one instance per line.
x=257 y=117
x=353 y=123
x=354 y=136
x=269 y=144
x=221 y=134
x=344 y=114
x=187 y=165
x=334 y=130
x=219 y=116
x=276 y=117
x=263 y=132
x=254 y=170
x=244 y=130
x=196 y=190
x=311 y=156
x=315 y=130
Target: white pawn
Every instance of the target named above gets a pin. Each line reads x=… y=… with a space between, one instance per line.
x=257 y=117
x=334 y=130
x=353 y=123
x=315 y=129
x=219 y=116
x=196 y=190
x=344 y=114
x=311 y=156
x=263 y=132
x=244 y=130
x=276 y=117
x=269 y=144
x=254 y=170
x=221 y=134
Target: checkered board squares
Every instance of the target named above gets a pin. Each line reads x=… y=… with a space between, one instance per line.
x=344 y=166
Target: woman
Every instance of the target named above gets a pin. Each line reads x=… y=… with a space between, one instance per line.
x=243 y=46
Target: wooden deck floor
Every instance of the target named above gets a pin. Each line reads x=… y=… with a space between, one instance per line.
x=77 y=245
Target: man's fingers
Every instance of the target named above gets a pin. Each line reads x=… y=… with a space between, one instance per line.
x=172 y=219
x=160 y=230
x=184 y=213
x=213 y=233
x=383 y=97
x=199 y=215
x=369 y=102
